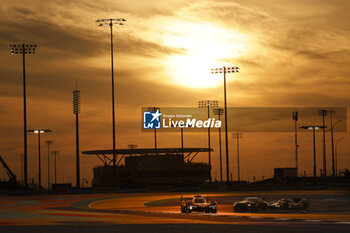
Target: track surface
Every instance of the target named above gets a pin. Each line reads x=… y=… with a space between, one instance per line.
x=160 y=212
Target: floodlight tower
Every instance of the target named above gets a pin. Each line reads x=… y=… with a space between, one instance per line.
x=208 y=104
x=39 y=131
x=313 y=128
x=111 y=23
x=219 y=112
x=24 y=49
x=296 y=118
x=238 y=136
x=55 y=153
x=324 y=113
x=153 y=109
x=224 y=70
x=76 y=111
x=48 y=143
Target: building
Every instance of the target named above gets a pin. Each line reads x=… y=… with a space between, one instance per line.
x=287 y=172
x=147 y=167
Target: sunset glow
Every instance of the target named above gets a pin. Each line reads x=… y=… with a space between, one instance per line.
x=205 y=46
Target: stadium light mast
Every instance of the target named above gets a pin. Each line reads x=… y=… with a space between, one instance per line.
x=238 y=136
x=224 y=70
x=112 y=22
x=324 y=113
x=48 y=143
x=76 y=111
x=219 y=112
x=208 y=104
x=313 y=128
x=24 y=49
x=153 y=109
x=39 y=131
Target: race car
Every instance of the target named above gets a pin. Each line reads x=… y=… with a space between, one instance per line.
x=250 y=204
x=290 y=204
x=198 y=203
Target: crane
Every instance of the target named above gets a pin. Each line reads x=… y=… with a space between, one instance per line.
x=11 y=175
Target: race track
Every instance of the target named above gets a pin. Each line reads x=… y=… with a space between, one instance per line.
x=137 y=212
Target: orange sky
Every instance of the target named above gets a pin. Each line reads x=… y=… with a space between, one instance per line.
x=290 y=53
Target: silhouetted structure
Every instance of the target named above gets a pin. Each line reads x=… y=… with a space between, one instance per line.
x=324 y=113
x=24 y=49
x=48 y=143
x=12 y=183
x=39 y=131
x=313 y=128
x=54 y=154
x=287 y=172
x=237 y=136
x=110 y=23
x=295 y=119
x=224 y=70
x=63 y=188
x=208 y=104
x=336 y=154
x=143 y=167
x=11 y=175
x=76 y=111
x=286 y=179
x=219 y=112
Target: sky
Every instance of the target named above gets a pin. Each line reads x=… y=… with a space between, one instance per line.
x=290 y=54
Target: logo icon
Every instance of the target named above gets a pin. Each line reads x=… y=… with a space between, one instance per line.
x=151 y=120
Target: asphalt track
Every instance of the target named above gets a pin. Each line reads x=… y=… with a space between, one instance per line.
x=330 y=211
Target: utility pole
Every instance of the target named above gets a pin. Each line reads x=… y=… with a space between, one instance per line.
x=208 y=104
x=48 y=143
x=324 y=113
x=219 y=112
x=238 y=136
x=313 y=128
x=55 y=153
x=332 y=138
x=336 y=154
x=295 y=118
x=39 y=131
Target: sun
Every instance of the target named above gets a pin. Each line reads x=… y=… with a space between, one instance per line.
x=206 y=46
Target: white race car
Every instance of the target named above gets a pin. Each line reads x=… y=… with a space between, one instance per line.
x=198 y=203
